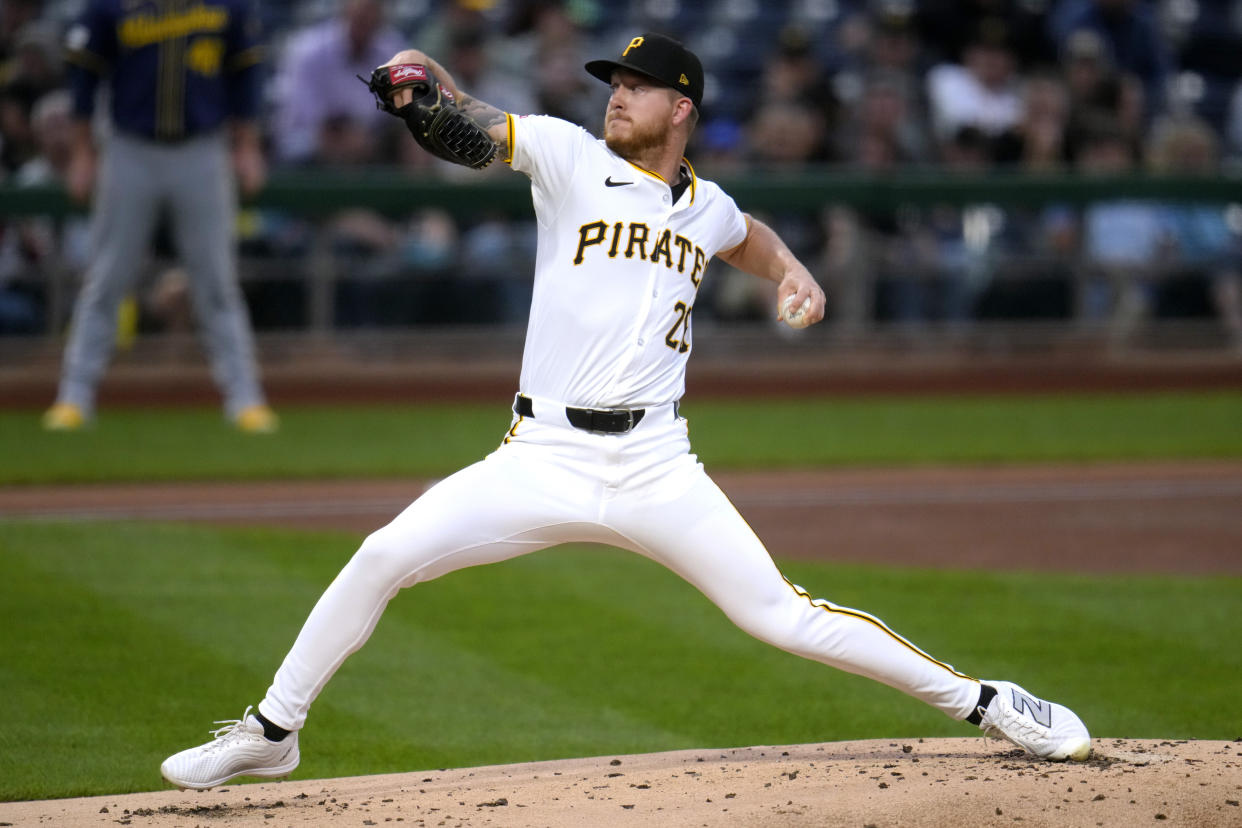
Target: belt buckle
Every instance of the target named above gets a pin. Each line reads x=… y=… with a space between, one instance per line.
x=629 y=421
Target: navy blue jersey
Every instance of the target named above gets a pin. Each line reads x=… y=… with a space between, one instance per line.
x=176 y=68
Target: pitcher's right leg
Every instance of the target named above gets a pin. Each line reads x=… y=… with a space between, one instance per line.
x=480 y=515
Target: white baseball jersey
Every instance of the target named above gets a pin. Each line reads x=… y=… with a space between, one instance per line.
x=617 y=270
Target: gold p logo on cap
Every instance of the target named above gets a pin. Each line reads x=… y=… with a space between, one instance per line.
x=634 y=44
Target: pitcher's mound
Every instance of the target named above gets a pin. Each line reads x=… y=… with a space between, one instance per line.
x=884 y=782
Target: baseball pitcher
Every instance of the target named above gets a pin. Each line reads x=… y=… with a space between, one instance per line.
x=597 y=450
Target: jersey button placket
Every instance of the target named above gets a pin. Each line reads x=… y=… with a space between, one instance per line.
x=655 y=269
x=657 y=217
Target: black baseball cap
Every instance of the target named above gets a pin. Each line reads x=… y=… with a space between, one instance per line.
x=660 y=57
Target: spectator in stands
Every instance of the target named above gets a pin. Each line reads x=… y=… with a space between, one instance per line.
x=362 y=240
x=20 y=305
x=33 y=68
x=949 y=249
x=14 y=14
x=983 y=91
x=1122 y=239
x=496 y=259
x=1039 y=242
x=884 y=129
x=66 y=240
x=20 y=311
x=867 y=248
x=944 y=27
x=793 y=75
x=1233 y=124
x=16 y=138
x=324 y=118
x=1097 y=92
x=50 y=125
x=36 y=58
x=1128 y=31
x=31 y=247
x=316 y=88
x=894 y=46
x=487 y=283
x=546 y=35
x=436 y=33
x=783 y=136
x=560 y=90
x=886 y=51
x=1206 y=254
x=1085 y=65
x=1038 y=143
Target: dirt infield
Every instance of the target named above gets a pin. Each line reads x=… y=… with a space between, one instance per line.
x=888 y=782
x=1183 y=517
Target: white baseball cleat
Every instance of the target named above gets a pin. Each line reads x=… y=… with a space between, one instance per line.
x=1042 y=728
x=238 y=749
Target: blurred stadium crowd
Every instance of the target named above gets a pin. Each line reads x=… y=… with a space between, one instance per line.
x=878 y=86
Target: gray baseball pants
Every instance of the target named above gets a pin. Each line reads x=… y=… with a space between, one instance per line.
x=194 y=182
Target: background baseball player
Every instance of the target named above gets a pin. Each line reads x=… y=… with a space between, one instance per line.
x=184 y=89
x=597 y=450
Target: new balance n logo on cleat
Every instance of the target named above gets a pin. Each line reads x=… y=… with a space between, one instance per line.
x=1037 y=709
x=1042 y=728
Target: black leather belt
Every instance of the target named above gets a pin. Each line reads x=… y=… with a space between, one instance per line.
x=607 y=420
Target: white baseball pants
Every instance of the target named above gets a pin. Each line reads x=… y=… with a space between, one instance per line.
x=550 y=483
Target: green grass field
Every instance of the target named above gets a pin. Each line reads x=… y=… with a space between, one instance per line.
x=434 y=439
x=123 y=642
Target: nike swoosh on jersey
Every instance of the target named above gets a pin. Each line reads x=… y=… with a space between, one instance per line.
x=608 y=182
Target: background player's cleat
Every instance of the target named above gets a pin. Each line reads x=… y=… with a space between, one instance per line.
x=257 y=419
x=239 y=749
x=64 y=417
x=1042 y=728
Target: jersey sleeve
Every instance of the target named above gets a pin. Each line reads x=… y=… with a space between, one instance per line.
x=245 y=37
x=733 y=223
x=245 y=53
x=547 y=150
x=90 y=49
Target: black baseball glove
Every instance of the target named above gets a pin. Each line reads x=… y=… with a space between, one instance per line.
x=432 y=116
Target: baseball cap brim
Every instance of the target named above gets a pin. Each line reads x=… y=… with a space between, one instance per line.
x=603 y=70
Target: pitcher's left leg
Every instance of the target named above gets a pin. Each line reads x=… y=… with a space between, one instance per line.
x=700 y=536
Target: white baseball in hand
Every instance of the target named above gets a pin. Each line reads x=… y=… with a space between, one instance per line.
x=795 y=317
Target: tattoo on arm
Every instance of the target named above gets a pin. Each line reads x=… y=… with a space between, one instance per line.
x=491 y=119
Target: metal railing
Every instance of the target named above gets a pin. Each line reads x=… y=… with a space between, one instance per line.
x=319 y=194
x=322 y=192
